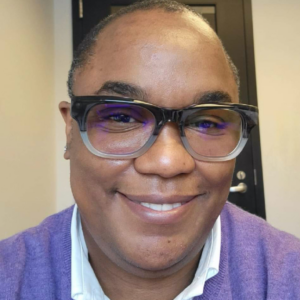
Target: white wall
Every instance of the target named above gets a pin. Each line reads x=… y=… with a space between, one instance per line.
x=63 y=59
x=26 y=110
x=277 y=53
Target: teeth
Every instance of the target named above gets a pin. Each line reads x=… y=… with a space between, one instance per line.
x=161 y=207
x=166 y=207
x=156 y=206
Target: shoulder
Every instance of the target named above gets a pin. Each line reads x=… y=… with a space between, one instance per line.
x=253 y=229
x=261 y=255
x=34 y=237
x=32 y=253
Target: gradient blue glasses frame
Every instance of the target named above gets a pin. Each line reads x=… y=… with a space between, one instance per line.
x=81 y=105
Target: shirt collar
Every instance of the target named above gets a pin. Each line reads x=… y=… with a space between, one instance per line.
x=208 y=266
x=84 y=284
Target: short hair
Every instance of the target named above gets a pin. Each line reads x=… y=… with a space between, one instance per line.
x=85 y=48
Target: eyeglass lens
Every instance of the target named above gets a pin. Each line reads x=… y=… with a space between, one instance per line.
x=119 y=128
x=213 y=132
x=123 y=129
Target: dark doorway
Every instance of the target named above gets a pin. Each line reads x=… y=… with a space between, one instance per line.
x=232 y=20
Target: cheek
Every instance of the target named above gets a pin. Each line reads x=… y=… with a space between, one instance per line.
x=93 y=178
x=217 y=177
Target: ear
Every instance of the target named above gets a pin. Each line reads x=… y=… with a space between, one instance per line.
x=65 y=110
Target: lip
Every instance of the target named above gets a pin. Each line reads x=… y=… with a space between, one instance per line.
x=159 y=199
x=149 y=215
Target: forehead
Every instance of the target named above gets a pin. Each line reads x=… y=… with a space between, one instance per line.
x=171 y=56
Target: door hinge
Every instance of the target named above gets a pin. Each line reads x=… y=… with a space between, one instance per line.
x=80 y=3
x=255 y=177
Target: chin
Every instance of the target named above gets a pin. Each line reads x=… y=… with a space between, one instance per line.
x=160 y=262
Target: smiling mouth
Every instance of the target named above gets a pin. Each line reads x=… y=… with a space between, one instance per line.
x=161 y=207
x=161 y=204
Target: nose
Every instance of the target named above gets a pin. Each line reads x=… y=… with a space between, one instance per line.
x=167 y=157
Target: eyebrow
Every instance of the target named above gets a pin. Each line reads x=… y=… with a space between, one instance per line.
x=122 y=88
x=213 y=97
x=132 y=91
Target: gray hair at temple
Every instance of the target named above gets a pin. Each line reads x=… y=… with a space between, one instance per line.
x=85 y=49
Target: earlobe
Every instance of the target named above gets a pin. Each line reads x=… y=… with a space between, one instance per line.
x=65 y=108
x=66 y=153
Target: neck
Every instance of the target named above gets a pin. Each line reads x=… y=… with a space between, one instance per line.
x=118 y=283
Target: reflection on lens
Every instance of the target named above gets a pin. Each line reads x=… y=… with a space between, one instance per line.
x=119 y=128
x=213 y=132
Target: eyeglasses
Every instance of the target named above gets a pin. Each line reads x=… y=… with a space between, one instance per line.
x=123 y=128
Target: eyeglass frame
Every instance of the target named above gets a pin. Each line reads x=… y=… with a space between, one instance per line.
x=81 y=105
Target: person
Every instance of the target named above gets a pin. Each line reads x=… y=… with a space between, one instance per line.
x=153 y=130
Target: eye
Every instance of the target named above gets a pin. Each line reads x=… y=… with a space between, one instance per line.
x=206 y=124
x=121 y=115
x=210 y=125
x=118 y=118
x=122 y=118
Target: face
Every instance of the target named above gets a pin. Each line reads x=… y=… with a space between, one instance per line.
x=171 y=60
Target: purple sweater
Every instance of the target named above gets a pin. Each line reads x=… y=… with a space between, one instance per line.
x=257 y=261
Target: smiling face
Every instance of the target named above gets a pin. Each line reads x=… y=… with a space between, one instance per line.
x=170 y=60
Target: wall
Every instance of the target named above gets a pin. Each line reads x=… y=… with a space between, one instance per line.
x=63 y=59
x=26 y=110
x=277 y=42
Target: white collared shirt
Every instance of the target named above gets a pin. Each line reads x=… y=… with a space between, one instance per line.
x=85 y=286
